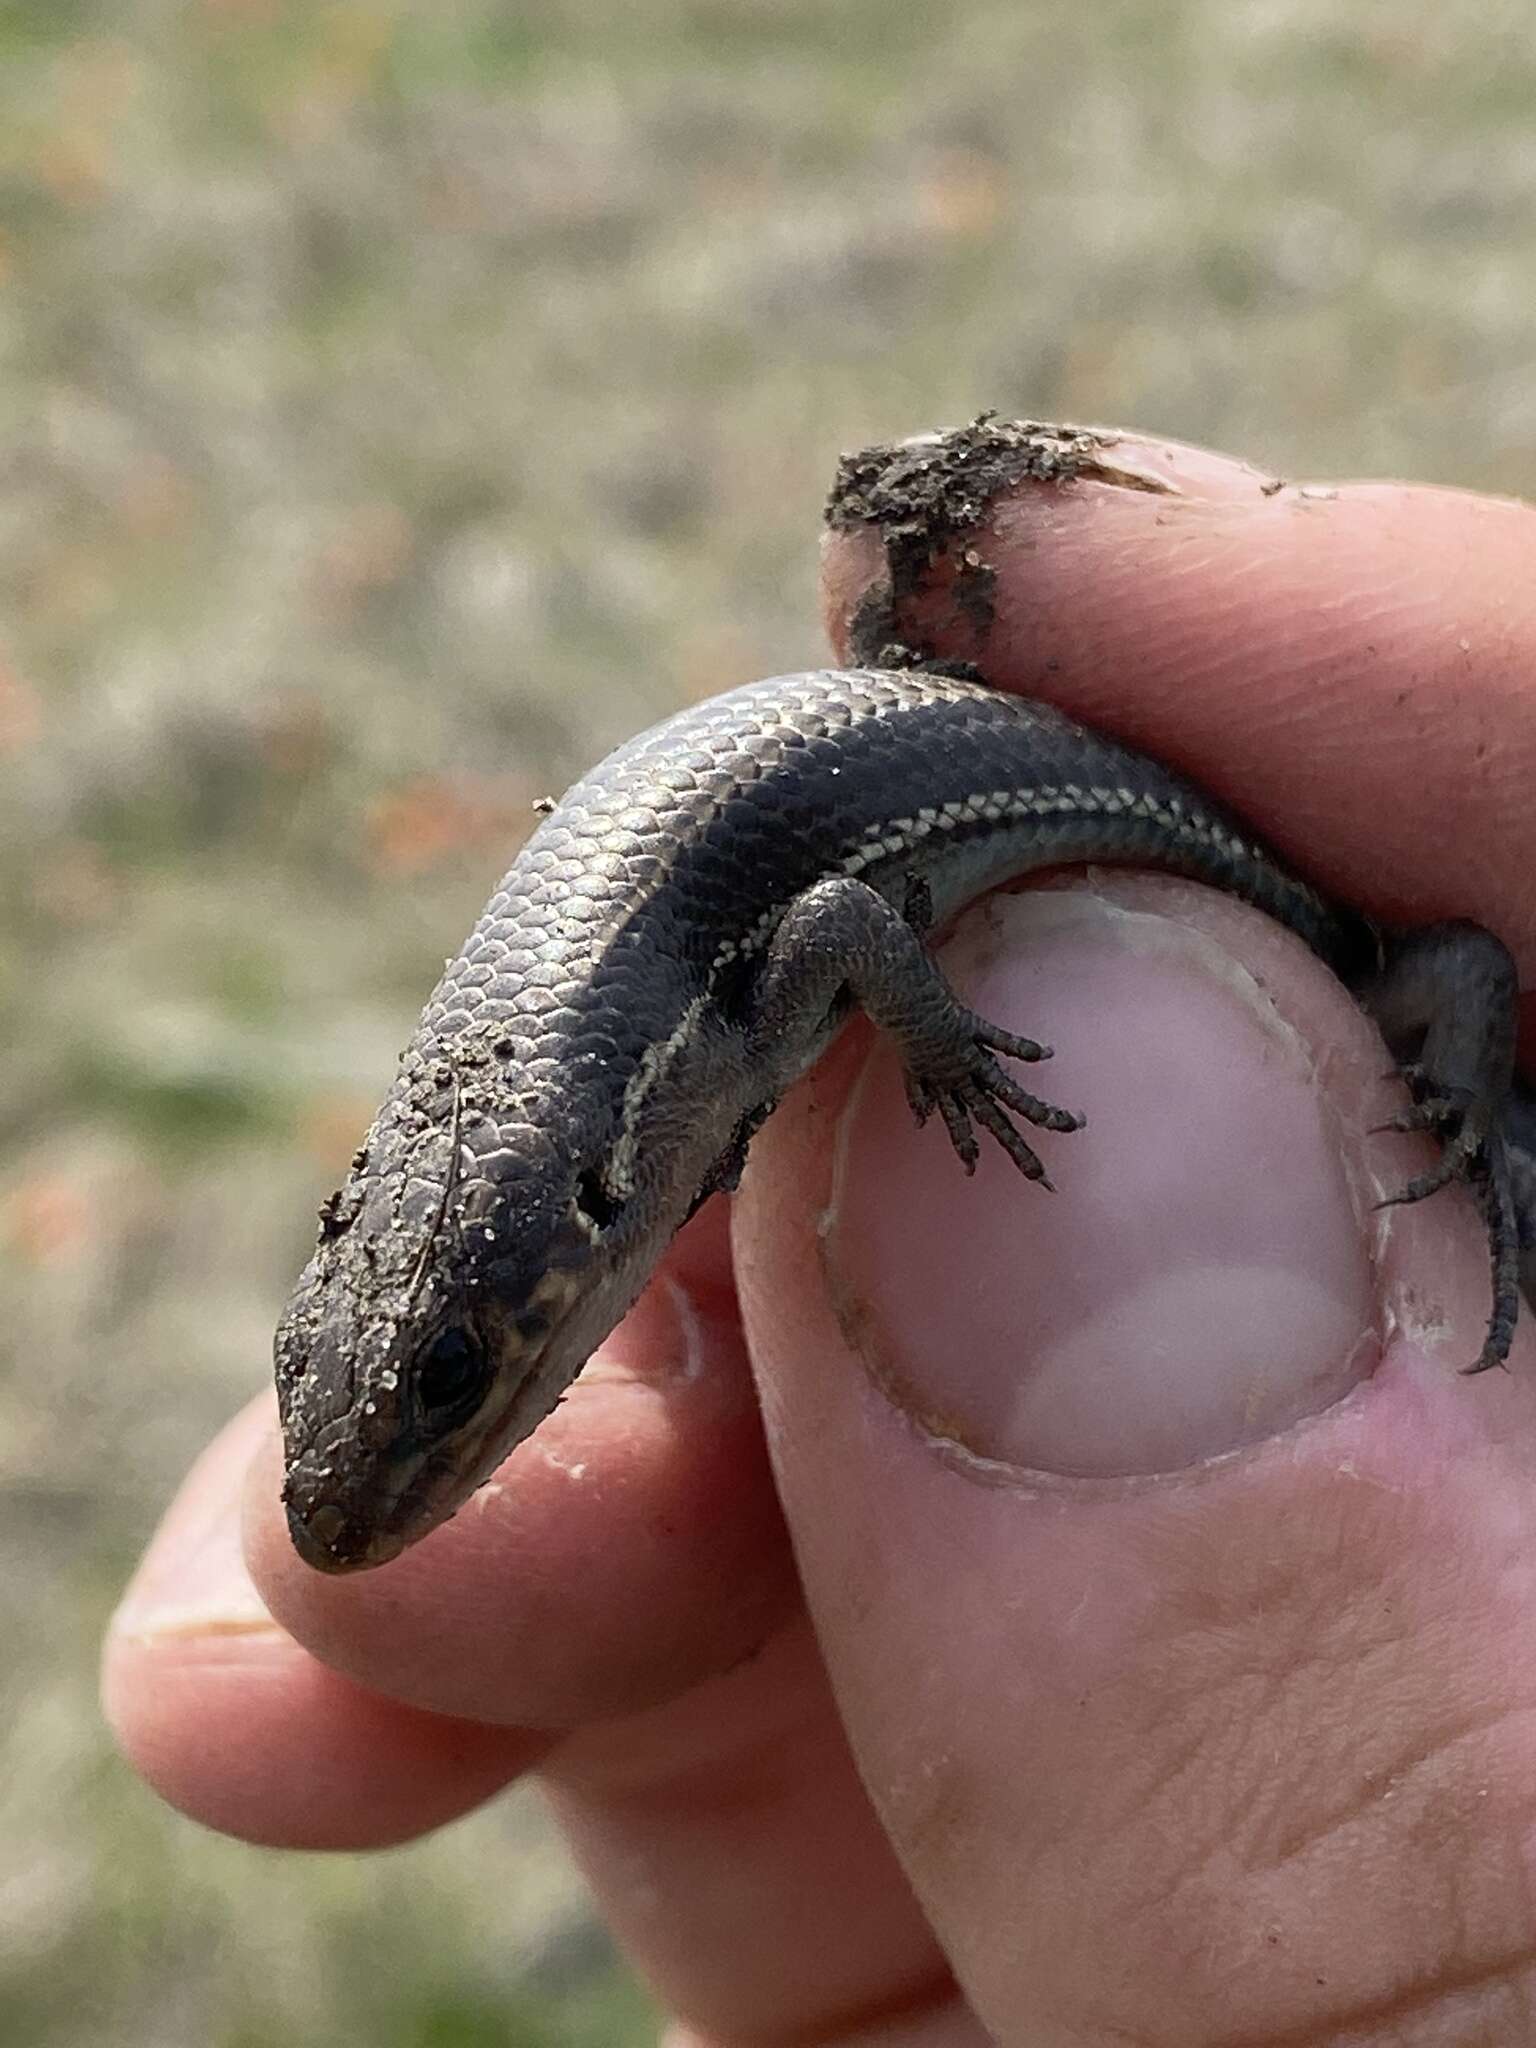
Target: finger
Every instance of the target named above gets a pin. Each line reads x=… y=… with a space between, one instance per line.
x=734 y=1853
x=1172 y=1584
x=1350 y=665
x=232 y=1722
x=634 y=1548
x=630 y=1548
x=726 y=1832
x=721 y=1847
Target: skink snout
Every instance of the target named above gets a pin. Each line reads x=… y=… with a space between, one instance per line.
x=329 y=1540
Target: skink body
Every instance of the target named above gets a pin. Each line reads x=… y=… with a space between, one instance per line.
x=676 y=943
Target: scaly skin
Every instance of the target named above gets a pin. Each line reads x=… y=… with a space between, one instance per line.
x=675 y=944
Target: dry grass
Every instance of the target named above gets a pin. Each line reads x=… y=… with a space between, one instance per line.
x=398 y=406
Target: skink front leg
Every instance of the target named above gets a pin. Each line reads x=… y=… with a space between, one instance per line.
x=842 y=945
x=1518 y=1124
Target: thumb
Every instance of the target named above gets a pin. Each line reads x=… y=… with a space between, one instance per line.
x=1171 y=1579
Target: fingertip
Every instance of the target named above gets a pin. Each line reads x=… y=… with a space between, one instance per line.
x=895 y=547
x=247 y=1734
x=1347 y=664
x=235 y=1724
x=853 y=571
x=631 y=1547
x=193 y=1574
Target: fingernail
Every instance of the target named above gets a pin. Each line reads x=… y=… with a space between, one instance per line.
x=193 y=1580
x=1202 y=1277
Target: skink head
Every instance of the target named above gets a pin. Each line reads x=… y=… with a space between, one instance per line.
x=483 y=1246
x=391 y=1419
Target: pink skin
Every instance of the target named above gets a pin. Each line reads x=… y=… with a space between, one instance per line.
x=1241 y=1752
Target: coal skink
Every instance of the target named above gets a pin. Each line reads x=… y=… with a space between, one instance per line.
x=677 y=942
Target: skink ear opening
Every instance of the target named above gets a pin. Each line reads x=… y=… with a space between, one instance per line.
x=600 y=1207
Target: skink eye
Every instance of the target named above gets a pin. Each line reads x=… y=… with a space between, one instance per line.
x=452 y=1373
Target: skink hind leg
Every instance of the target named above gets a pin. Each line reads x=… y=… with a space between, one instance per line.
x=840 y=944
x=1445 y=999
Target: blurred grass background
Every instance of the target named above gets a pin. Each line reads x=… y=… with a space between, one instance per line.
x=399 y=405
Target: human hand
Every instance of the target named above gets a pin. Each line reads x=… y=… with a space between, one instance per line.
x=1236 y=1754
